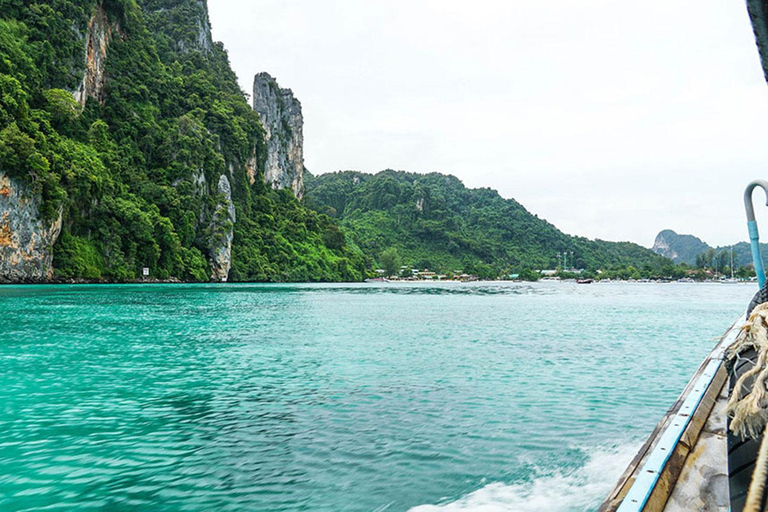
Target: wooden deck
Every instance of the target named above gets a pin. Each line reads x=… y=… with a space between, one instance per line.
x=703 y=482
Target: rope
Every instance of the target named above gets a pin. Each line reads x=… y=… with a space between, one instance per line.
x=748 y=403
x=757 y=485
x=748 y=408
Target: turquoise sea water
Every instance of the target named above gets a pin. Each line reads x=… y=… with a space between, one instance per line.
x=340 y=397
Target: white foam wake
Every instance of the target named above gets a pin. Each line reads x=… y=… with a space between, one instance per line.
x=580 y=490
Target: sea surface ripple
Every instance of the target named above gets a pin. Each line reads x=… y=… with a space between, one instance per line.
x=476 y=396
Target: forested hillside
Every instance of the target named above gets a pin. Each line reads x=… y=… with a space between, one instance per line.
x=123 y=128
x=433 y=221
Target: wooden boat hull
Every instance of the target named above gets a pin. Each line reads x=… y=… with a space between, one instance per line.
x=684 y=463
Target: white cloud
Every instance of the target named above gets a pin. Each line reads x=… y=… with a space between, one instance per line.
x=609 y=119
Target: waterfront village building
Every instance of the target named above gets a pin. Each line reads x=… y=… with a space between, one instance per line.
x=426 y=275
x=552 y=273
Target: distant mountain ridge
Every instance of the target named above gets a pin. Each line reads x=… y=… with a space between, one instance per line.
x=685 y=248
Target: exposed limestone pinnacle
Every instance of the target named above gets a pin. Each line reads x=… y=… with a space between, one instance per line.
x=96 y=42
x=661 y=246
x=223 y=232
x=281 y=116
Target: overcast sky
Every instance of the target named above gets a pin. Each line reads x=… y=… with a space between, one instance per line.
x=610 y=119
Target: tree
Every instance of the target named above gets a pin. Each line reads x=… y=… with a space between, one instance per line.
x=723 y=262
x=390 y=261
x=333 y=237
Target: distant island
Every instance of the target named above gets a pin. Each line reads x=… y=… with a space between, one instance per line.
x=690 y=250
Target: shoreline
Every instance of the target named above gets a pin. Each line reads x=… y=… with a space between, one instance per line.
x=85 y=282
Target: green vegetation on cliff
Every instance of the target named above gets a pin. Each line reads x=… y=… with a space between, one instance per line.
x=433 y=221
x=134 y=172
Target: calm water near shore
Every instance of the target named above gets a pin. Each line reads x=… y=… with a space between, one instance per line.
x=472 y=396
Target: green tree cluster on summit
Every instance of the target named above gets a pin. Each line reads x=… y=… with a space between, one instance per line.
x=127 y=173
x=433 y=221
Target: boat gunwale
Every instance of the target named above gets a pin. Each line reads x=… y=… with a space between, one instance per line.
x=637 y=484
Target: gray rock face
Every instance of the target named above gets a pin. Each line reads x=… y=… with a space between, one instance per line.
x=661 y=246
x=223 y=232
x=281 y=116
x=26 y=242
x=678 y=248
x=96 y=43
x=204 y=41
x=191 y=35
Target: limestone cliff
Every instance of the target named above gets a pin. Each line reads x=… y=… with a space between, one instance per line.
x=281 y=116
x=158 y=163
x=26 y=242
x=223 y=232
x=679 y=248
x=96 y=43
x=183 y=24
